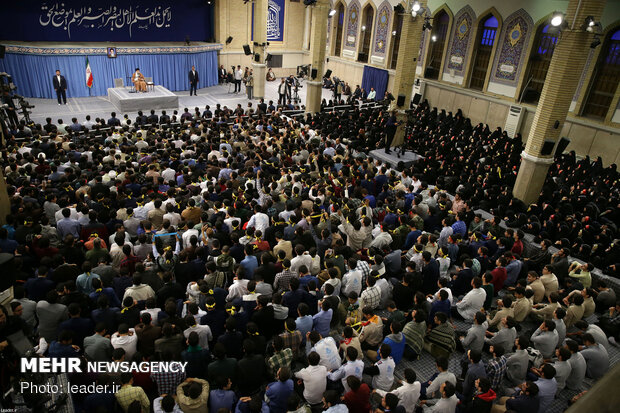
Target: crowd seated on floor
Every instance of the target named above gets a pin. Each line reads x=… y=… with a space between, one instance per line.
x=294 y=274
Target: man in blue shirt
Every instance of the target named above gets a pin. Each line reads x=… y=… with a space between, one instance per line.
x=322 y=319
x=249 y=263
x=459 y=226
x=67 y=225
x=304 y=322
x=279 y=391
x=39 y=286
x=513 y=269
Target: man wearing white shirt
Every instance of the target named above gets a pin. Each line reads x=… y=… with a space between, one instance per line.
x=238 y=77
x=352 y=281
x=203 y=331
x=372 y=94
x=326 y=349
x=188 y=234
x=127 y=339
x=353 y=367
x=408 y=393
x=168 y=174
x=472 y=302
x=315 y=379
x=260 y=220
x=302 y=258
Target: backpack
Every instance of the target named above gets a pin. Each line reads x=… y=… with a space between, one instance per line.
x=223 y=271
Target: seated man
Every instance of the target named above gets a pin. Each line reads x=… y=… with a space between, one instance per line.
x=138 y=80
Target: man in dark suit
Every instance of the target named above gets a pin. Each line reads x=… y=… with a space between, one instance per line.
x=141 y=118
x=222 y=74
x=114 y=121
x=164 y=118
x=193 y=80
x=153 y=118
x=262 y=106
x=60 y=86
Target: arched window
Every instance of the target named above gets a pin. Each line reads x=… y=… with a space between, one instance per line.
x=367 y=18
x=397 y=27
x=542 y=52
x=438 y=41
x=482 y=51
x=339 y=30
x=604 y=79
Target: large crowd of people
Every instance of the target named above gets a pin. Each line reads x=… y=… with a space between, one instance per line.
x=293 y=273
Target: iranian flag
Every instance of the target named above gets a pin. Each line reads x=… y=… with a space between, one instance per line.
x=89 y=75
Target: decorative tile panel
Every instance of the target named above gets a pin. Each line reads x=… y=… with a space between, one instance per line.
x=353 y=22
x=382 y=28
x=511 y=48
x=461 y=39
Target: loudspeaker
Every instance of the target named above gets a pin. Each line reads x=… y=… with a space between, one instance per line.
x=328 y=73
x=417 y=98
x=547 y=148
x=229 y=39
x=2 y=51
x=247 y=50
x=562 y=144
x=400 y=101
x=430 y=72
x=257 y=58
x=313 y=73
x=268 y=58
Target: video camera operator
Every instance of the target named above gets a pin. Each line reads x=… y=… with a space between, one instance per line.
x=9 y=108
x=290 y=82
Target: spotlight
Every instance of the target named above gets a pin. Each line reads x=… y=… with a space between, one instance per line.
x=434 y=38
x=363 y=28
x=596 y=43
x=591 y=26
x=415 y=7
x=414 y=14
x=332 y=12
x=427 y=24
x=394 y=33
x=557 y=18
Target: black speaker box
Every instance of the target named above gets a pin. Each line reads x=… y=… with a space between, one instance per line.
x=562 y=144
x=313 y=73
x=400 y=101
x=247 y=50
x=328 y=73
x=547 y=148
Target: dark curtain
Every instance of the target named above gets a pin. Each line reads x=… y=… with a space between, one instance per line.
x=376 y=78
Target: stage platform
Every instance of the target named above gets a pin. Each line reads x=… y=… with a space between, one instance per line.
x=408 y=158
x=157 y=98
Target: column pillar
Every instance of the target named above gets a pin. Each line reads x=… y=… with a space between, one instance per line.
x=307 y=17
x=318 y=42
x=569 y=57
x=259 y=68
x=408 y=52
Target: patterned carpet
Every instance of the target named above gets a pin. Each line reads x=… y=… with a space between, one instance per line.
x=425 y=366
